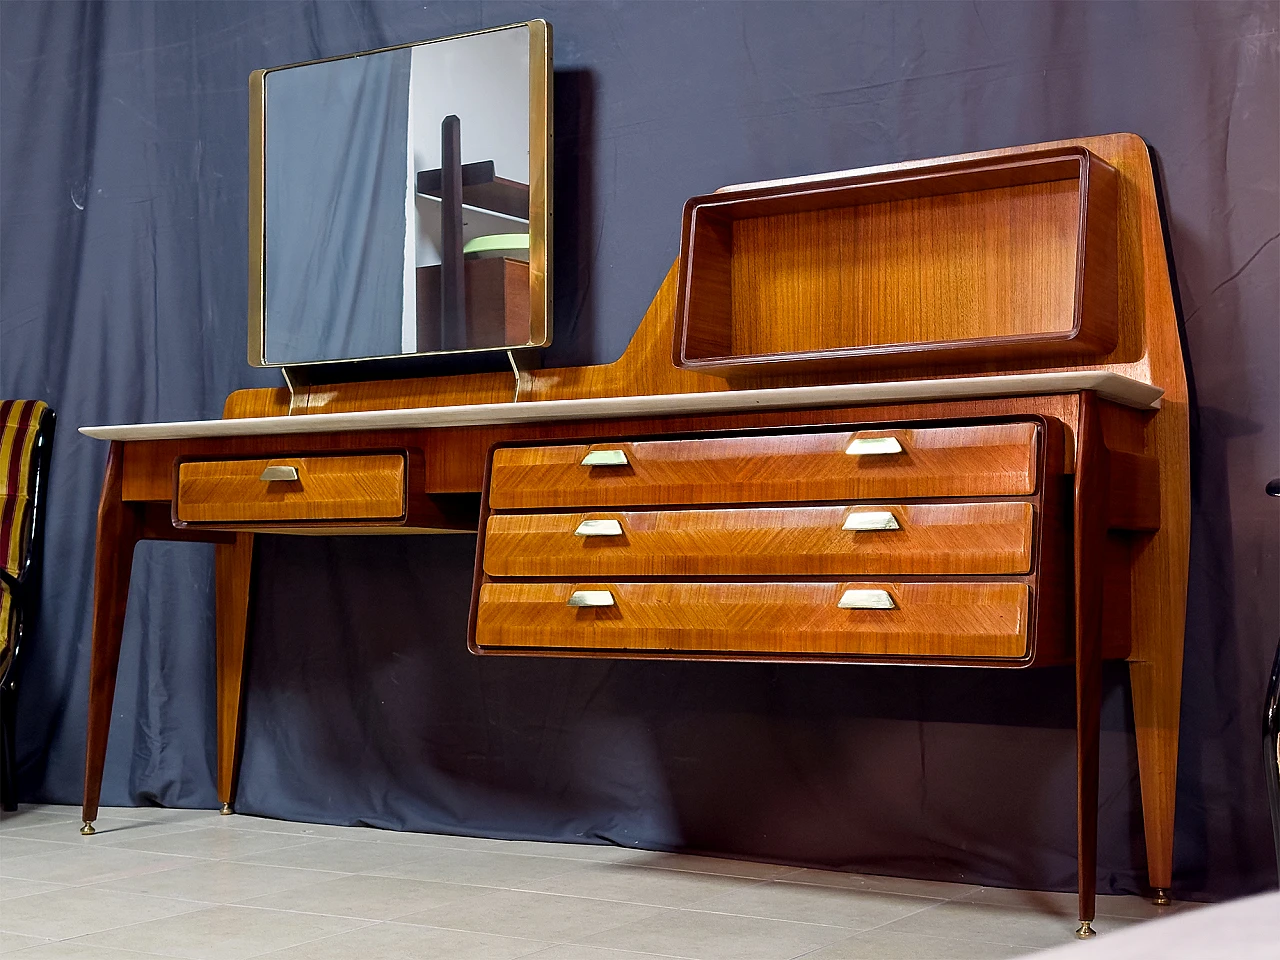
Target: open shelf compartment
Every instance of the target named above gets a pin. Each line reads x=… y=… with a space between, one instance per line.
x=1000 y=258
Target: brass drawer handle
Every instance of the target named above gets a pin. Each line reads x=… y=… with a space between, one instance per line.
x=599 y=528
x=279 y=473
x=605 y=458
x=866 y=600
x=870 y=446
x=591 y=598
x=871 y=520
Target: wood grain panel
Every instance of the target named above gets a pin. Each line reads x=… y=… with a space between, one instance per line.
x=363 y=487
x=960 y=260
x=928 y=270
x=952 y=538
x=968 y=461
x=786 y=620
x=455 y=457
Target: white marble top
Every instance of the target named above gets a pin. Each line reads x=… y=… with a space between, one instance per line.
x=1111 y=386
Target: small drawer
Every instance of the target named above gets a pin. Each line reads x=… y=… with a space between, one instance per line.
x=840 y=541
x=847 y=620
x=933 y=462
x=291 y=489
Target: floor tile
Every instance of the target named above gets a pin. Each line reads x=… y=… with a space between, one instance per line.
x=13 y=942
x=481 y=869
x=855 y=909
x=26 y=816
x=631 y=884
x=118 y=831
x=70 y=950
x=716 y=865
x=73 y=912
x=157 y=814
x=213 y=843
x=12 y=888
x=68 y=831
x=367 y=897
x=223 y=933
x=313 y=831
x=716 y=936
x=218 y=881
x=82 y=865
x=192 y=884
x=531 y=848
x=344 y=856
x=14 y=845
x=881 y=945
x=567 y=851
x=534 y=916
x=1067 y=904
x=994 y=923
x=398 y=941
x=1245 y=929
x=578 y=951
x=937 y=889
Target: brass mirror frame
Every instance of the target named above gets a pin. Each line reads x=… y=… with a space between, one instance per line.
x=540 y=129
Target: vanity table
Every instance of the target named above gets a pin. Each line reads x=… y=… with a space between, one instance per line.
x=981 y=479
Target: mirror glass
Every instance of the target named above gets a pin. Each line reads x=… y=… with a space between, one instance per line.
x=403 y=201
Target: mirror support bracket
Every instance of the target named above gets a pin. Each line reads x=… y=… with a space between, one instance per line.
x=522 y=361
x=295 y=380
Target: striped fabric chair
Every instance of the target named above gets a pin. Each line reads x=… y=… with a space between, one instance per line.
x=26 y=441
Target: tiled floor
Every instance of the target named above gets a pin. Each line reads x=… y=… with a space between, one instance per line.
x=192 y=884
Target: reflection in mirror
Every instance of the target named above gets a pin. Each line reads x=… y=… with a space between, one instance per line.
x=404 y=201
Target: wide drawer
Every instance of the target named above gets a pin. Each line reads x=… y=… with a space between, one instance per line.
x=933 y=462
x=862 y=539
x=783 y=620
x=291 y=489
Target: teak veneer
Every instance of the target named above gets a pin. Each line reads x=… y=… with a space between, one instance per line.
x=977 y=259
x=1048 y=259
x=957 y=461
x=785 y=621
x=926 y=538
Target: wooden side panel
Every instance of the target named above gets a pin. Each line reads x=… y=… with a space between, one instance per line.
x=948 y=539
x=786 y=620
x=969 y=461
x=327 y=488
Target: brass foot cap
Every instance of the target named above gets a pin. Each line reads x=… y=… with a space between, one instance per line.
x=1085 y=930
x=1160 y=897
x=226 y=810
x=87 y=830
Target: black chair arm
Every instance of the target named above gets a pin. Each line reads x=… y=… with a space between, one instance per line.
x=16 y=585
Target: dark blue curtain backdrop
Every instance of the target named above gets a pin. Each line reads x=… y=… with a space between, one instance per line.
x=123 y=136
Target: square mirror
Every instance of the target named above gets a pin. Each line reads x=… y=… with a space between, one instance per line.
x=400 y=201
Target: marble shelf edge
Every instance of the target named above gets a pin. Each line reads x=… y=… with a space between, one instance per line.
x=1109 y=386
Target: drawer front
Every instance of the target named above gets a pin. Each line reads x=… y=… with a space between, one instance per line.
x=365 y=487
x=932 y=462
x=864 y=539
x=961 y=620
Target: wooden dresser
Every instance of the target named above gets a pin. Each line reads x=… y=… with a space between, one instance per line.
x=931 y=413
x=912 y=542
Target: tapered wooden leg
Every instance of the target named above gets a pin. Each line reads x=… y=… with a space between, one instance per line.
x=1091 y=484
x=1157 y=701
x=234 y=565
x=1160 y=570
x=119 y=528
